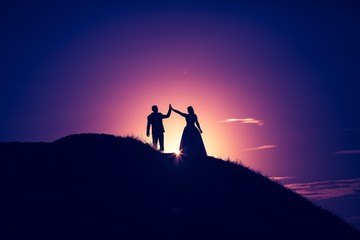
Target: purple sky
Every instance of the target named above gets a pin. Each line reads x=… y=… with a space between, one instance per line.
x=275 y=86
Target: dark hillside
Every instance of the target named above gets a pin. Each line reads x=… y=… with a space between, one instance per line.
x=96 y=186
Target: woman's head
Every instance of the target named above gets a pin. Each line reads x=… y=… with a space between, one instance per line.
x=190 y=110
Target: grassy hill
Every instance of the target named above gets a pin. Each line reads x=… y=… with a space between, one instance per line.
x=97 y=186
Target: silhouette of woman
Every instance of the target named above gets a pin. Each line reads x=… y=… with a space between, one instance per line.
x=191 y=142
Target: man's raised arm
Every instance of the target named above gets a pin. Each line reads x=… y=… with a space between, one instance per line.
x=168 y=113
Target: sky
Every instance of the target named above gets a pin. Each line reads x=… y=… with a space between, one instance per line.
x=275 y=85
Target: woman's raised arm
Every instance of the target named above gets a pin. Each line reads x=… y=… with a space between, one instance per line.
x=178 y=112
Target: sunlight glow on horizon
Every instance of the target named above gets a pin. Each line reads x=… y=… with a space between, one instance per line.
x=99 y=85
x=274 y=84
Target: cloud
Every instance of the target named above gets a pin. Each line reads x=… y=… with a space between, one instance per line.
x=347 y=152
x=244 y=120
x=259 y=148
x=280 y=178
x=349 y=188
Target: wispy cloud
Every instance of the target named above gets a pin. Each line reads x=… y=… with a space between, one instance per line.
x=347 y=152
x=349 y=188
x=281 y=178
x=259 y=148
x=244 y=120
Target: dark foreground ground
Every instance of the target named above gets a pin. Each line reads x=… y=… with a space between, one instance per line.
x=92 y=186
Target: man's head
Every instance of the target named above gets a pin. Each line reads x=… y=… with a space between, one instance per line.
x=155 y=109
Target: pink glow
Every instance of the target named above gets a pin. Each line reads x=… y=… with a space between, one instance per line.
x=106 y=81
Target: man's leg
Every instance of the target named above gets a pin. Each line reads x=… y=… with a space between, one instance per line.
x=155 y=139
x=161 y=141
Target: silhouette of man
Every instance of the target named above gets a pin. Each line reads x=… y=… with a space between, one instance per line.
x=157 y=128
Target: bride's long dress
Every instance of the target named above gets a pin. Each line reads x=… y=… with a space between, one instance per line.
x=191 y=142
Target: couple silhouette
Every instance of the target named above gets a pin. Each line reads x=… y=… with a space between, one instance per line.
x=191 y=143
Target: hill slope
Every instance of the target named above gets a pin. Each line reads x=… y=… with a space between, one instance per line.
x=96 y=186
